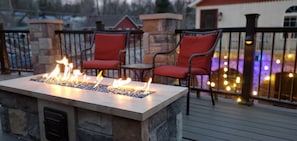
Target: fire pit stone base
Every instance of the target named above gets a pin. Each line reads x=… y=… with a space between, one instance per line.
x=19 y=115
x=164 y=125
x=91 y=125
x=40 y=111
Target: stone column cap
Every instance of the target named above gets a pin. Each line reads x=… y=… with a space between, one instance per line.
x=36 y=21
x=161 y=16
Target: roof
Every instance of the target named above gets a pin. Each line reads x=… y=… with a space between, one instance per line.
x=129 y=18
x=111 y=21
x=224 y=2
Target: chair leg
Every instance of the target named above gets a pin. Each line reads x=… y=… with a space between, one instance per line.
x=120 y=73
x=211 y=92
x=188 y=94
x=212 y=97
x=188 y=103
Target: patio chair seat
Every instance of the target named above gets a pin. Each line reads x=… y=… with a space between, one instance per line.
x=102 y=64
x=179 y=72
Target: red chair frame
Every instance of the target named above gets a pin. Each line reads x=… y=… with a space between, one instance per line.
x=181 y=71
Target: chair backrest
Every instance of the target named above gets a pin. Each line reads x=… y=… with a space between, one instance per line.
x=109 y=44
x=198 y=42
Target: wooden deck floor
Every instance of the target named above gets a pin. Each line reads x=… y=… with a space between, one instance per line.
x=228 y=121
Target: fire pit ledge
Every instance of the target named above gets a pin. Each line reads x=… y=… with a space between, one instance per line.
x=146 y=118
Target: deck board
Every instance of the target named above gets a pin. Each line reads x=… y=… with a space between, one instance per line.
x=230 y=121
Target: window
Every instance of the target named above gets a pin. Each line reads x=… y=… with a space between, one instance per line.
x=208 y=19
x=290 y=20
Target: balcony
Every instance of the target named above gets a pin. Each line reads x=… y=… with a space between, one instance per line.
x=273 y=82
x=226 y=121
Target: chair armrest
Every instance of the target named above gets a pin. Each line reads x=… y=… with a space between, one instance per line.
x=122 y=54
x=161 y=53
x=83 y=55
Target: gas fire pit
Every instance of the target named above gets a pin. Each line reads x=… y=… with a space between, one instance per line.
x=29 y=107
x=70 y=106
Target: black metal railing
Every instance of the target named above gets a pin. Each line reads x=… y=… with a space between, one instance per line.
x=18 y=49
x=274 y=62
x=274 y=65
x=73 y=42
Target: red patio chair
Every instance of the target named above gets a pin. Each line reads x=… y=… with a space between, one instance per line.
x=109 y=51
x=194 y=58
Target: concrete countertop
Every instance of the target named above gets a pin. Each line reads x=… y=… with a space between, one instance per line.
x=114 y=104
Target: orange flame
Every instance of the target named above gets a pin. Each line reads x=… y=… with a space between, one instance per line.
x=120 y=82
x=74 y=75
x=99 y=78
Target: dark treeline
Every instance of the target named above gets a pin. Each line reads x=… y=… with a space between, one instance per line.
x=9 y=9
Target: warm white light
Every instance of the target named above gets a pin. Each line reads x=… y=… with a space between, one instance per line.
x=290 y=56
x=225 y=69
x=228 y=88
x=238 y=100
x=226 y=82
x=291 y=75
x=234 y=85
x=267 y=78
x=225 y=63
x=277 y=61
x=212 y=84
x=225 y=57
x=255 y=93
x=225 y=75
x=248 y=42
x=266 y=67
x=237 y=79
x=215 y=55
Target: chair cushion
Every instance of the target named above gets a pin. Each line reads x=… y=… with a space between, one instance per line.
x=101 y=64
x=177 y=71
x=196 y=44
x=107 y=46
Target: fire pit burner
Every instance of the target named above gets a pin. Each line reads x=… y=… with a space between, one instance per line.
x=127 y=91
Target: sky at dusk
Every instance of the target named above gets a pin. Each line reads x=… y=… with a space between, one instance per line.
x=74 y=1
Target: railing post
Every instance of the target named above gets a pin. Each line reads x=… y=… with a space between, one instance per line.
x=3 y=53
x=249 y=51
x=99 y=25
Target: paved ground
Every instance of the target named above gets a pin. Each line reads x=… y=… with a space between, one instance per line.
x=4 y=136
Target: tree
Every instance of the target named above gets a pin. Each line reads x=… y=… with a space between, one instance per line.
x=163 y=6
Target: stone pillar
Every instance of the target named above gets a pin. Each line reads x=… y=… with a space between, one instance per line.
x=159 y=35
x=45 y=44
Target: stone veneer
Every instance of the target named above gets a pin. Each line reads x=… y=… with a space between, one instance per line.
x=91 y=115
x=19 y=115
x=165 y=125
x=44 y=44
